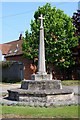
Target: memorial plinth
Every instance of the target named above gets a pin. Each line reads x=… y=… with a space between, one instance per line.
x=42 y=90
x=42 y=93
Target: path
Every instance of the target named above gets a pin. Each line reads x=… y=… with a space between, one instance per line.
x=5 y=87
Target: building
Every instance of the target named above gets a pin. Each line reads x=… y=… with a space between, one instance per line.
x=12 y=51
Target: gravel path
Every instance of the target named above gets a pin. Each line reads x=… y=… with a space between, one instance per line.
x=5 y=87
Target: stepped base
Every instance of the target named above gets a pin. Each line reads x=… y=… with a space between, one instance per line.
x=41 y=98
x=41 y=93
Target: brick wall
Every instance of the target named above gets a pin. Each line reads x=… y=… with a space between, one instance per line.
x=27 y=62
x=28 y=72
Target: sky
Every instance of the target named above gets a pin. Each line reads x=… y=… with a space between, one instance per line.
x=15 y=17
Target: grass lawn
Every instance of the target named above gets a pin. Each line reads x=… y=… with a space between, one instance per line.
x=57 y=112
x=70 y=82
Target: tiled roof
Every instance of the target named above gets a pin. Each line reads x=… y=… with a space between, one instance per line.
x=15 y=49
x=5 y=48
x=12 y=48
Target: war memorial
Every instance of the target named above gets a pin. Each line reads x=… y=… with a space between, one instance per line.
x=41 y=90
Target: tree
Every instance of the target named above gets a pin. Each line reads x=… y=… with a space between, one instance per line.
x=59 y=37
x=76 y=22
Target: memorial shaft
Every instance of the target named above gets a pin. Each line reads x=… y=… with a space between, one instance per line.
x=41 y=57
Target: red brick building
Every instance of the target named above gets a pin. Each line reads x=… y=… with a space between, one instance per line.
x=14 y=53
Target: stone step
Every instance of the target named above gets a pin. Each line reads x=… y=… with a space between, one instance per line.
x=41 y=85
x=54 y=91
x=17 y=94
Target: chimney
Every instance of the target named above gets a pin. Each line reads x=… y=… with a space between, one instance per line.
x=20 y=37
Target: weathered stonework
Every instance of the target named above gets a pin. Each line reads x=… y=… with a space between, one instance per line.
x=41 y=93
x=41 y=85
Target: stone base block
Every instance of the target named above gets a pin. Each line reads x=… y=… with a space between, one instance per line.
x=41 y=85
x=41 y=77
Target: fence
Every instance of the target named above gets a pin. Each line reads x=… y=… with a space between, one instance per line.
x=13 y=72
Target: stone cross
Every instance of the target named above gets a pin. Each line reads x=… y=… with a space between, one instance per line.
x=41 y=18
x=41 y=56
